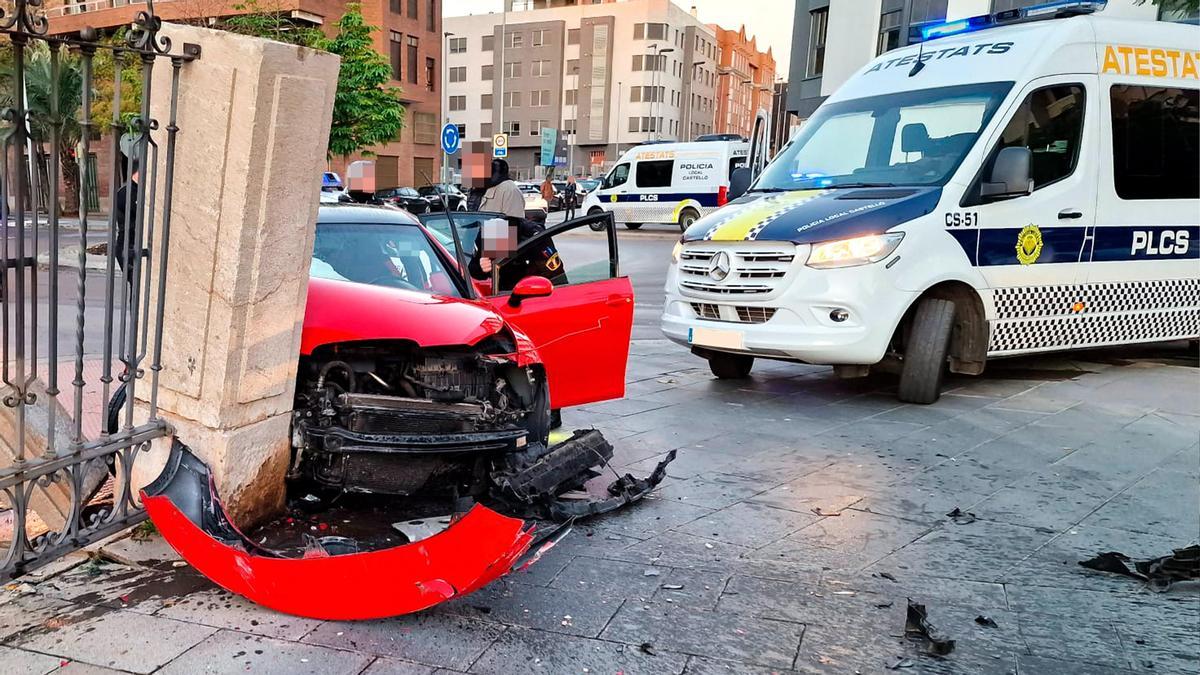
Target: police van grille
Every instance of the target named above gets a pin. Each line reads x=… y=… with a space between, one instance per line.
x=756 y=270
x=733 y=313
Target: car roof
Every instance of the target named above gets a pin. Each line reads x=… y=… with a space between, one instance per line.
x=362 y=213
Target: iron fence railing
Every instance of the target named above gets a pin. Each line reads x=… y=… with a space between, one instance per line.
x=57 y=448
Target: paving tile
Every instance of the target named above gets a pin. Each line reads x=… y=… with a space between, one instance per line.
x=690 y=631
x=396 y=667
x=1031 y=664
x=571 y=611
x=118 y=639
x=699 y=665
x=432 y=638
x=1074 y=638
x=20 y=612
x=651 y=515
x=1164 y=647
x=978 y=551
x=1057 y=563
x=539 y=652
x=21 y=662
x=849 y=541
x=230 y=650
x=119 y=586
x=712 y=490
x=222 y=609
x=748 y=524
x=1163 y=503
x=1051 y=510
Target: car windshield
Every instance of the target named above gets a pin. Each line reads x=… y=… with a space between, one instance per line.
x=907 y=138
x=395 y=256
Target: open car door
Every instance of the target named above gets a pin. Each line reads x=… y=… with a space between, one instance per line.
x=582 y=329
x=468 y=224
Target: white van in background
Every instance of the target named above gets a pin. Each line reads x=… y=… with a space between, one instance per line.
x=1020 y=182
x=668 y=182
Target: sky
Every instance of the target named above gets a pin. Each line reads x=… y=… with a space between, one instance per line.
x=770 y=21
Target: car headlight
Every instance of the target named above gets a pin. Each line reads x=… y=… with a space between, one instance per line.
x=856 y=251
x=675 y=252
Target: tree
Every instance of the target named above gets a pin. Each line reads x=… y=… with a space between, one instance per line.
x=366 y=112
x=268 y=19
x=40 y=92
x=1183 y=8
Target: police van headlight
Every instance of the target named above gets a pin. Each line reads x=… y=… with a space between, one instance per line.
x=856 y=251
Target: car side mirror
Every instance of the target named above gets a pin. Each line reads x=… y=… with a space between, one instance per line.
x=530 y=287
x=1010 y=176
x=739 y=181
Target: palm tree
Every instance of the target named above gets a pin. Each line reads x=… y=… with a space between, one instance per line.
x=40 y=89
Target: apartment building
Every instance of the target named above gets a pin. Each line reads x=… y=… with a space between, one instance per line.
x=745 y=81
x=607 y=74
x=832 y=39
x=409 y=36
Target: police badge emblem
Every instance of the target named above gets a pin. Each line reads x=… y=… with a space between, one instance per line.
x=1029 y=244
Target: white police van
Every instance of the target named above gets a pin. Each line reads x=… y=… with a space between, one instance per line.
x=1025 y=182
x=668 y=182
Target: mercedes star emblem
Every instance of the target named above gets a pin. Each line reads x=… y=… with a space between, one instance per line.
x=719 y=266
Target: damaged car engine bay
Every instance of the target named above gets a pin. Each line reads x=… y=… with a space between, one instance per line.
x=389 y=418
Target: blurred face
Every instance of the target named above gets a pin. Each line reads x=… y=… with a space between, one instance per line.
x=499 y=238
x=477 y=165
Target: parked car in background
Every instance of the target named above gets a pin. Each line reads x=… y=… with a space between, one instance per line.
x=556 y=202
x=433 y=195
x=536 y=208
x=406 y=198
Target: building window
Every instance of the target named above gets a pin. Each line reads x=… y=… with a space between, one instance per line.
x=1155 y=133
x=512 y=70
x=394 y=6
x=485 y=101
x=644 y=124
x=512 y=99
x=458 y=74
x=458 y=45
x=412 y=59
x=536 y=127
x=485 y=130
x=889 y=32
x=572 y=66
x=431 y=73
x=569 y=126
x=570 y=96
x=462 y=130
x=540 y=69
x=573 y=36
x=431 y=17
x=649 y=31
x=515 y=40
x=486 y=72
x=412 y=9
x=487 y=43
x=539 y=98
x=921 y=11
x=395 y=49
x=512 y=128
x=537 y=38
x=818 y=23
x=425 y=128
x=458 y=103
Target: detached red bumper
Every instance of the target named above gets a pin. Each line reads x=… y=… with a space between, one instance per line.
x=327 y=583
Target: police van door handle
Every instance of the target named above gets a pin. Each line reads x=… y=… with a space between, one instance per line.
x=1069 y=214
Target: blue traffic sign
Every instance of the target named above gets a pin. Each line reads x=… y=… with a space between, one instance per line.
x=451 y=141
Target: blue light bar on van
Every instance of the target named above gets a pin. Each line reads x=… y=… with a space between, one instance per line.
x=1050 y=10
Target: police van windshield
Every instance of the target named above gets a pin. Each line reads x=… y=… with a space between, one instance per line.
x=906 y=138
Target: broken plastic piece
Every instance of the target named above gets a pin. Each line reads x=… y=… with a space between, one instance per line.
x=1182 y=565
x=330 y=581
x=624 y=490
x=961 y=517
x=986 y=621
x=917 y=626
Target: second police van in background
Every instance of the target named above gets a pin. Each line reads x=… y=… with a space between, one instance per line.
x=668 y=182
x=1016 y=185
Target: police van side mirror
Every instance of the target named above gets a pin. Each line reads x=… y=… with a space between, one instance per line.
x=739 y=181
x=1010 y=175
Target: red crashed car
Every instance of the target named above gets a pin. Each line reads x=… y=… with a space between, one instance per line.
x=417 y=386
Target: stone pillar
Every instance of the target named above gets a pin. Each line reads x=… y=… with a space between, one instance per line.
x=253 y=121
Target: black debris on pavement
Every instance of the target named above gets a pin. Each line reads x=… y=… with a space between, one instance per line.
x=1159 y=573
x=961 y=517
x=986 y=621
x=917 y=627
x=646 y=648
x=886 y=575
x=884 y=605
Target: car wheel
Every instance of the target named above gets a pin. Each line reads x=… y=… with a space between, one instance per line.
x=462 y=206
x=633 y=226
x=595 y=211
x=925 y=352
x=730 y=366
x=687 y=217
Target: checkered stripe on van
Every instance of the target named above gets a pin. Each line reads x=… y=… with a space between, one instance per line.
x=1028 y=302
x=1085 y=330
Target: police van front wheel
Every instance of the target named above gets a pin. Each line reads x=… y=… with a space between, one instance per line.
x=595 y=211
x=687 y=217
x=730 y=366
x=925 y=351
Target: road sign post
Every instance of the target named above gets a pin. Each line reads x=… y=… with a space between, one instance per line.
x=500 y=146
x=451 y=142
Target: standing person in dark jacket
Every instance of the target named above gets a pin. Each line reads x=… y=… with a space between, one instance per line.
x=126 y=202
x=570 y=198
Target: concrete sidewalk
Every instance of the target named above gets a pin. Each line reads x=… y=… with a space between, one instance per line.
x=801 y=514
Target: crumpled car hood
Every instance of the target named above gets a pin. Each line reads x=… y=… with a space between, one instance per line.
x=330 y=581
x=810 y=216
x=343 y=311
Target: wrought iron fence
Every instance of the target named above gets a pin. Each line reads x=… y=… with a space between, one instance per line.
x=59 y=448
